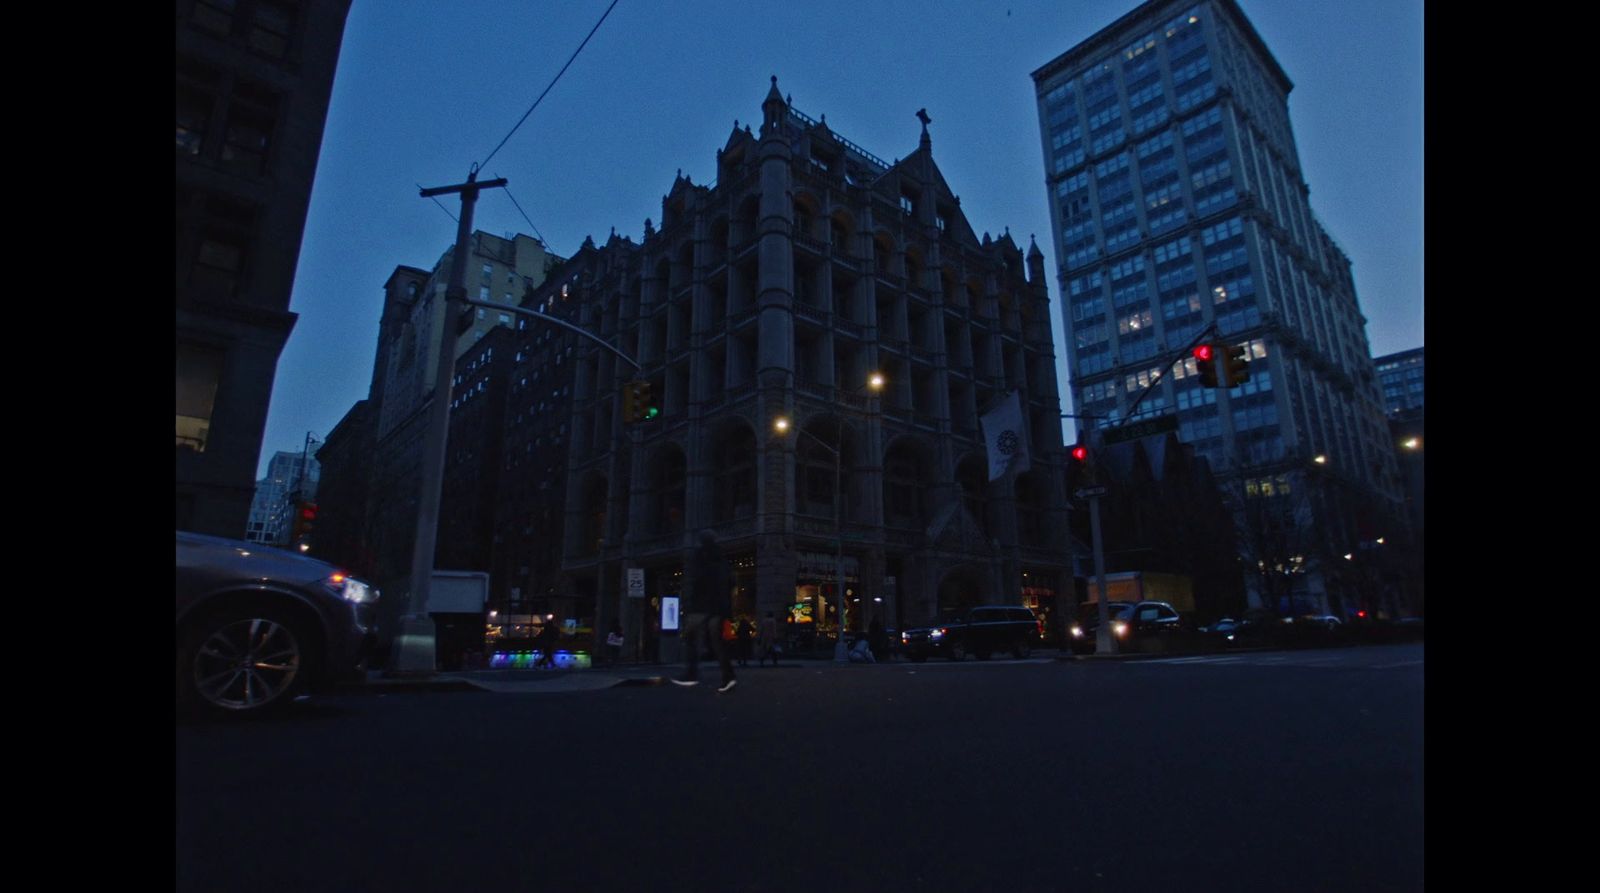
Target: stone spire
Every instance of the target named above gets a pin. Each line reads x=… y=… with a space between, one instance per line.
x=774 y=108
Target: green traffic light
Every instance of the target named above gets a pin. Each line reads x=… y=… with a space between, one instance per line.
x=652 y=413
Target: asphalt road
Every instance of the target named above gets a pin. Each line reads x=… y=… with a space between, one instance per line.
x=1264 y=771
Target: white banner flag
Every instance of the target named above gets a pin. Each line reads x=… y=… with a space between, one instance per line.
x=1006 y=437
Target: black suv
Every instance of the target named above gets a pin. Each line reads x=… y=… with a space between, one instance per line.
x=981 y=631
x=1129 y=621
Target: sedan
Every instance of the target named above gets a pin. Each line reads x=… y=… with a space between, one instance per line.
x=257 y=626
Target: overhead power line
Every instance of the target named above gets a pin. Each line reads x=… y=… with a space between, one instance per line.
x=553 y=81
x=441 y=206
x=525 y=215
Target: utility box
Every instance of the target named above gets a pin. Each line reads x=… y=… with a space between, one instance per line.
x=456 y=602
x=458 y=592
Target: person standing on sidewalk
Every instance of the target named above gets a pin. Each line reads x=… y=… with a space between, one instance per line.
x=768 y=640
x=710 y=603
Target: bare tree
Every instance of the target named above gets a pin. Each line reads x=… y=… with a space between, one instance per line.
x=1279 y=543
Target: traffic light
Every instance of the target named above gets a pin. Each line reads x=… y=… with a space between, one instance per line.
x=1082 y=470
x=1235 y=368
x=638 y=405
x=646 y=402
x=305 y=517
x=630 y=401
x=1205 y=359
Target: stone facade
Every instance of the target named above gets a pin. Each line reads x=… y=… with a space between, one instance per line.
x=776 y=293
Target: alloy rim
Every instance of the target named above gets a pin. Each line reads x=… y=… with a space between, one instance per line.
x=246 y=664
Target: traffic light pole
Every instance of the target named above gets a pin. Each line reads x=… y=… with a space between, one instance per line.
x=1105 y=641
x=1207 y=331
x=414 y=645
x=523 y=311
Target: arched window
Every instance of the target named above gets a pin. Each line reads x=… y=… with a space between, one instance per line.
x=1030 y=509
x=817 y=482
x=973 y=478
x=903 y=482
x=882 y=252
x=736 y=476
x=671 y=472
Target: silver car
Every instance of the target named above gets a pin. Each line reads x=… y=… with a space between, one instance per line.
x=258 y=625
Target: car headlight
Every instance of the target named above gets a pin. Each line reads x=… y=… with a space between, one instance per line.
x=1120 y=628
x=352 y=590
x=1077 y=631
x=905 y=637
x=936 y=634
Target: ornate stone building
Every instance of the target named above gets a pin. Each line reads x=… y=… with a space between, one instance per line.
x=775 y=293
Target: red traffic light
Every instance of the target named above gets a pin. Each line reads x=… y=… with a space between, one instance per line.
x=1203 y=352
x=1080 y=452
x=309 y=511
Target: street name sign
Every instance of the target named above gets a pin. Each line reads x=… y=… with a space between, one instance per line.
x=1158 y=425
x=1086 y=492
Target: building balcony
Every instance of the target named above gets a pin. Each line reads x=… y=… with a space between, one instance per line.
x=659 y=543
x=815 y=246
x=813 y=389
x=811 y=313
x=740 y=319
x=853 y=264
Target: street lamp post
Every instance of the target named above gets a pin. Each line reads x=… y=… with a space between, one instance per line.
x=841 y=652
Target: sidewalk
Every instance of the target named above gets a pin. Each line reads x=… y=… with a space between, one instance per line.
x=528 y=680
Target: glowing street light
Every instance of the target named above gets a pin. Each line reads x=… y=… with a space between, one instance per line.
x=875 y=382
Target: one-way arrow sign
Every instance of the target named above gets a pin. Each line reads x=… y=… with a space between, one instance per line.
x=1086 y=492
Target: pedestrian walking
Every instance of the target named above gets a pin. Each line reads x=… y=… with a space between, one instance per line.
x=767 y=640
x=745 y=633
x=710 y=603
x=547 y=642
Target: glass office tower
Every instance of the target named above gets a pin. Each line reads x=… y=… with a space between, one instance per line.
x=1177 y=204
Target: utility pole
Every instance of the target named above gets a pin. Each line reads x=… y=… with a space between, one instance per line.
x=414 y=652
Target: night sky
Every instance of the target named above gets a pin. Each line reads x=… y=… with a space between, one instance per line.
x=424 y=90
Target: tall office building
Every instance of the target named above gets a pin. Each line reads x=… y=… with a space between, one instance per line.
x=372 y=461
x=290 y=476
x=775 y=294
x=1178 y=205
x=253 y=81
x=1401 y=376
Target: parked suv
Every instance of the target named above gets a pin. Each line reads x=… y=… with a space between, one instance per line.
x=258 y=625
x=1129 y=621
x=982 y=631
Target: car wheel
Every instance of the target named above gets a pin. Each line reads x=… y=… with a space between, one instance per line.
x=245 y=660
x=1023 y=649
x=957 y=652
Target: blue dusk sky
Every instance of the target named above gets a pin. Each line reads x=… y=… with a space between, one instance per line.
x=425 y=89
